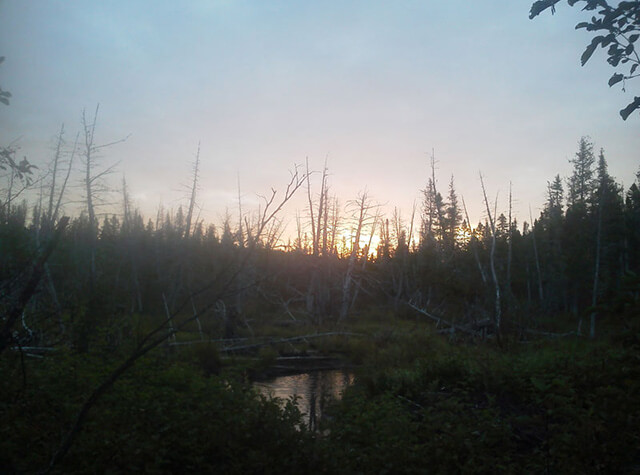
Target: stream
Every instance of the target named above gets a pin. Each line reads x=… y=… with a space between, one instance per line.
x=313 y=390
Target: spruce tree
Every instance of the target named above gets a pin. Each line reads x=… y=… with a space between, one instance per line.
x=552 y=224
x=581 y=182
x=608 y=214
x=452 y=215
x=578 y=242
x=632 y=224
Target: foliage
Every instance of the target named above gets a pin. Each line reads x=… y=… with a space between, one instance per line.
x=560 y=407
x=115 y=289
x=22 y=169
x=159 y=418
x=620 y=28
x=4 y=95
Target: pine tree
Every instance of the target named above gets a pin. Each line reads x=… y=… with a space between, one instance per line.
x=552 y=226
x=452 y=216
x=608 y=215
x=632 y=224
x=581 y=182
x=555 y=196
x=578 y=242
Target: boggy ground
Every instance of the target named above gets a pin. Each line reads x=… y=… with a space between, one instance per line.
x=421 y=403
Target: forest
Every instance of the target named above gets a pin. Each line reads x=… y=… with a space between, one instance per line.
x=132 y=343
x=129 y=343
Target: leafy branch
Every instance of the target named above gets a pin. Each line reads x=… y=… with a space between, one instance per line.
x=620 y=28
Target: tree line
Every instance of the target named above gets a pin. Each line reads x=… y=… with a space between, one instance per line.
x=111 y=274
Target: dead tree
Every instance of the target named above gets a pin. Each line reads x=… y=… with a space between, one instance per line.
x=170 y=325
x=317 y=298
x=362 y=206
x=94 y=183
x=28 y=290
x=473 y=243
x=494 y=275
x=194 y=189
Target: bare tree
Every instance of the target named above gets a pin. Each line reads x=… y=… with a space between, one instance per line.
x=194 y=189
x=170 y=325
x=15 y=311
x=362 y=207
x=494 y=275
x=473 y=243
x=94 y=181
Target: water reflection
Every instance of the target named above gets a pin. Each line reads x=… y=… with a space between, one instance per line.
x=313 y=390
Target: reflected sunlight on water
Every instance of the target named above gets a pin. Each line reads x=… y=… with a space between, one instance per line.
x=313 y=390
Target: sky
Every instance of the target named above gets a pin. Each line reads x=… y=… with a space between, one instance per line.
x=373 y=87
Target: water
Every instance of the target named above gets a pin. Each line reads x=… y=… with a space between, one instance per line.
x=313 y=390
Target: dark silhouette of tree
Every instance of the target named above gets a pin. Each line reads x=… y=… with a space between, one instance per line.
x=21 y=170
x=608 y=213
x=551 y=223
x=581 y=181
x=578 y=235
x=453 y=216
x=632 y=220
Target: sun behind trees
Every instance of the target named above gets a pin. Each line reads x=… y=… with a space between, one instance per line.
x=122 y=285
x=573 y=257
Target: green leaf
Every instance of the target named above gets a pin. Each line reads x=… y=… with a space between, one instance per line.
x=590 y=49
x=608 y=40
x=615 y=79
x=539 y=384
x=633 y=69
x=540 y=6
x=626 y=112
x=633 y=38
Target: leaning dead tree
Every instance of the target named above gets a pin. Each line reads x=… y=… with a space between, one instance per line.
x=449 y=326
x=473 y=243
x=171 y=324
x=194 y=189
x=16 y=306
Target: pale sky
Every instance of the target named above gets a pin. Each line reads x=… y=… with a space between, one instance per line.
x=373 y=85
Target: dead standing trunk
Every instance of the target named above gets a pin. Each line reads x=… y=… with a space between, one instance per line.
x=363 y=206
x=494 y=275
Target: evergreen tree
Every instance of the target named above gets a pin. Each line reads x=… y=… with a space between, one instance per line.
x=551 y=251
x=581 y=182
x=555 y=197
x=452 y=216
x=578 y=242
x=608 y=213
x=632 y=221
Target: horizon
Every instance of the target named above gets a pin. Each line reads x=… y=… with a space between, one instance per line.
x=372 y=86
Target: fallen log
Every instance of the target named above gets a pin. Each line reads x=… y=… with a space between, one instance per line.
x=440 y=320
x=550 y=334
x=288 y=340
